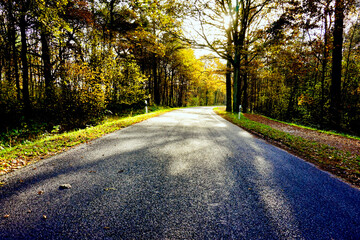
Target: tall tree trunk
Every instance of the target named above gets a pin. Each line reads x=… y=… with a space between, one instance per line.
x=237 y=82
x=180 y=93
x=228 y=87
x=252 y=94
x=7 y=52
x=156 y=80
x=335 y=89
x=25 y=67
x=1 y=65
x=239 y=43
x=49 y=88
x=12 y=39
x=165 y=92
x=16 y=67
x=155 y=74
x=150 y=83
x=215 y=97
x=206 y=96
x=245 y=101
x=172 y=88
x=228 y=73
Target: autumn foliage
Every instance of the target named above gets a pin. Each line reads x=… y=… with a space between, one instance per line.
x=69 y=63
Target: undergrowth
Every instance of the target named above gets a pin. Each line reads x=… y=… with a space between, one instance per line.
x=25 y=152
x=32 y=130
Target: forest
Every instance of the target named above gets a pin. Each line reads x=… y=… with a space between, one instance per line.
x=291 y=60
x=70 y=63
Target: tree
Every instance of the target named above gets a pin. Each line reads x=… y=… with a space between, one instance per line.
x=24 y=51
x=335 y=89
x=239 y=16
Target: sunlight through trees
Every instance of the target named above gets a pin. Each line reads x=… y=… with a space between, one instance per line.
x=71 y=62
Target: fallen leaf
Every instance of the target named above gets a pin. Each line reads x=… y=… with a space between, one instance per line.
x=6 y=216
x=108 y=189
x=107 y=228
x=29 y=211
x=40 y=192
x=64 y=186
x=92 y=171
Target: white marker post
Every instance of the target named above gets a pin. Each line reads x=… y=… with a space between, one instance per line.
x=239 y=111
x=146 y=107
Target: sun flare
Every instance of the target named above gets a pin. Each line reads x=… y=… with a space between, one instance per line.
x=227 y=21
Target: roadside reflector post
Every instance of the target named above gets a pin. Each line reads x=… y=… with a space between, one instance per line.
x=146 y=107
x=239 y=111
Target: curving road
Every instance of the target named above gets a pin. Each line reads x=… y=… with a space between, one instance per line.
x=187 y=174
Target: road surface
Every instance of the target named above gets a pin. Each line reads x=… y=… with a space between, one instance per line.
x=187 y=174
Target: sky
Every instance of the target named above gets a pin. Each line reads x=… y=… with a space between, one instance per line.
x=190 y=28
x=190 y=33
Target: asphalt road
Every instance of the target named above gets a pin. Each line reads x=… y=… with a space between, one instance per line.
x=187 y=174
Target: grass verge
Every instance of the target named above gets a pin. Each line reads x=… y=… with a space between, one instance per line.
x=26 y=153
x=340 y=163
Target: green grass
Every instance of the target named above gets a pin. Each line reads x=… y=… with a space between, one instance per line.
x=343 y=164
x=25 y=153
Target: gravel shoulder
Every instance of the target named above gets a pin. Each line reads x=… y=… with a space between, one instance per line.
x=342 y=143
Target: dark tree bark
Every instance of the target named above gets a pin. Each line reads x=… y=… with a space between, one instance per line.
x=172 y=101
x=7 y=49
x=156 y=80
x=228 y=87
x=25 y=67
x=239 y=43
x=180 y=93
x=237 y=83
x=228 y=72
x=245 y=102
x=335 y=89
x=45 y=55
x=12 y=38
x=1 y=65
